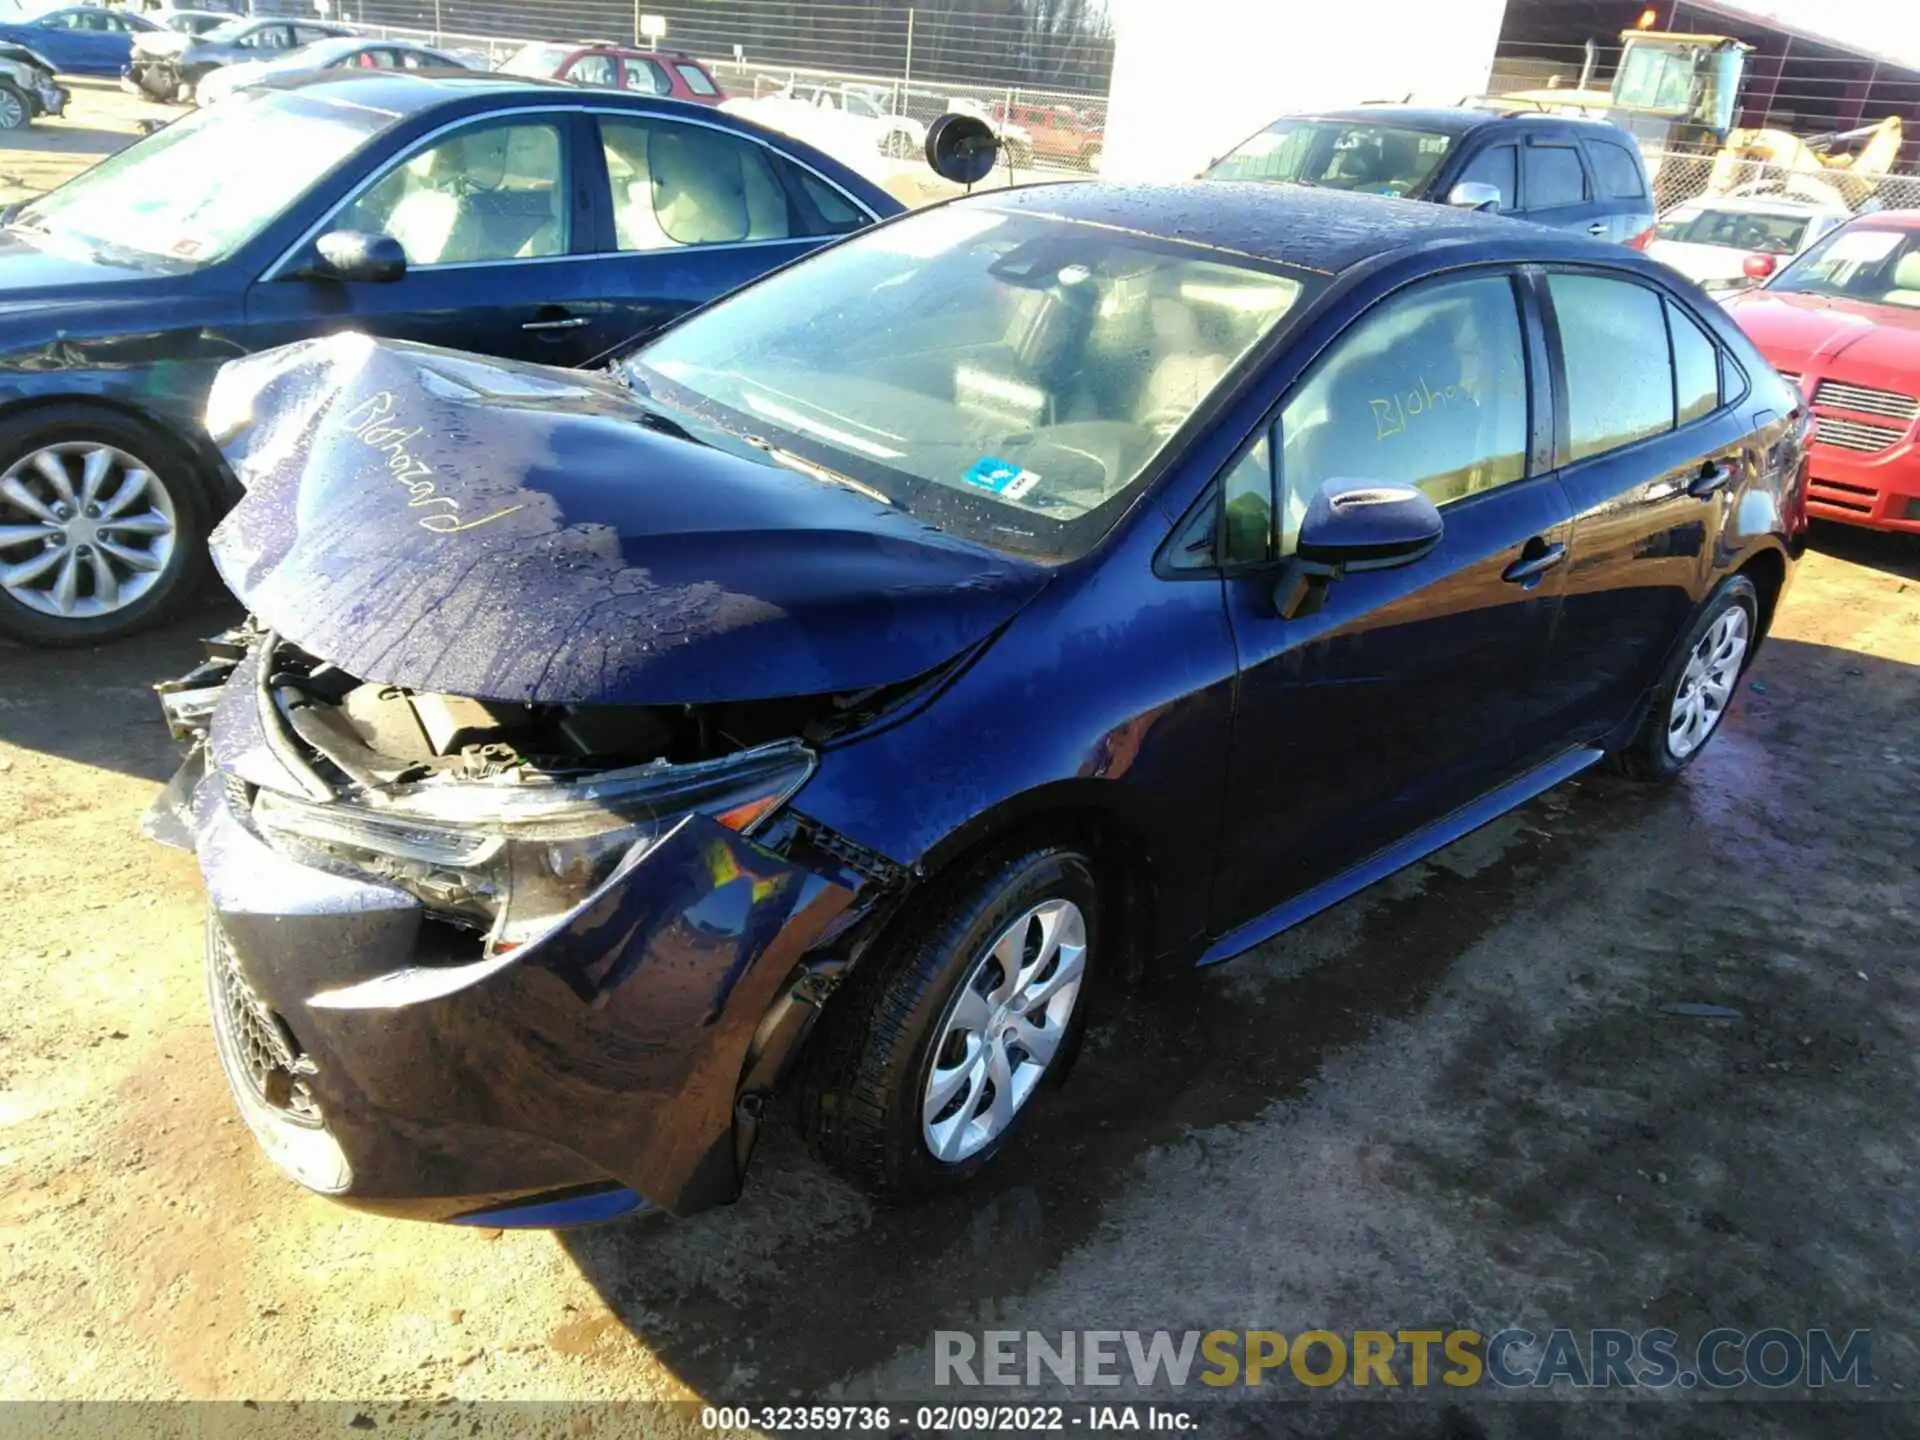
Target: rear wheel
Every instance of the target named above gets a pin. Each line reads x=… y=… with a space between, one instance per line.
x=1698 y=685
x=102 y=526
x=925 y=1067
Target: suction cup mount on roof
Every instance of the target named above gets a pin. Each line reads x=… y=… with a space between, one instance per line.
x=961 y=148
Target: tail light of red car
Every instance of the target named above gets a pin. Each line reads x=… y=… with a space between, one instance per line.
x=1643 y=239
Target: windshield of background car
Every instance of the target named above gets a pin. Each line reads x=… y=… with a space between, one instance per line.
x=196 y=191
x=1882 y=266
x=540 y=60
x=1005 y=377
x=1735 y=230
x=1340 y=155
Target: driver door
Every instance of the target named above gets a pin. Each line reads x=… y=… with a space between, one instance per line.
x=496 y=242
x=1414 y=690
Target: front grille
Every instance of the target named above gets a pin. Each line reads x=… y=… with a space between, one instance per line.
x=1866 y=401
x=274 y=1066
x=1855 y=435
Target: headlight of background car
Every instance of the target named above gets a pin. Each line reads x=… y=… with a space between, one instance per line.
x=516 y=858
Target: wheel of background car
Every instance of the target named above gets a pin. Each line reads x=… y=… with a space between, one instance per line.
x=1698 y=684
x=15 y=112
x=103 y=526
x=933 y=1054
x=1092 y=159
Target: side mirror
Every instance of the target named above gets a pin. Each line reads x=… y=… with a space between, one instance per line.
x=1474 y=195
x=356 y=255
x=1759 y=266
x=1351 y=526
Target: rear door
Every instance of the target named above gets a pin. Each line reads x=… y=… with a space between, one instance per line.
x=498 y=241
x=1620 y=184
x=1555 y=188
x=1649 y=453
x=690 y=211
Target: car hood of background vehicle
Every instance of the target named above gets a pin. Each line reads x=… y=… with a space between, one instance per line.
x=1794 y=330
x=508 y=531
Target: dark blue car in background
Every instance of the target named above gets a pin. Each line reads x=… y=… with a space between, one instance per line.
x=1038 y=591
x=80 y=39
x=527 y=220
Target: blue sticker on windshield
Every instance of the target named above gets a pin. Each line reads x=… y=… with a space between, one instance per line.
x=1008 y=481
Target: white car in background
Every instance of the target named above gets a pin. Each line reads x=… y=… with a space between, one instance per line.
x=345 y=53
x=849 y=122
x=1728 y=243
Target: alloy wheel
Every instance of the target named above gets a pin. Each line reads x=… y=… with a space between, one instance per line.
x=1706 y=685
x=13 y=110
x=85 y=530
x=1002 y=1030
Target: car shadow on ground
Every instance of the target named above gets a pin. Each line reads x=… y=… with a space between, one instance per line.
x=95 y=704
x=1880 y=550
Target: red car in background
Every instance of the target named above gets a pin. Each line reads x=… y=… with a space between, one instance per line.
x=607 y=66
x=1843 y=322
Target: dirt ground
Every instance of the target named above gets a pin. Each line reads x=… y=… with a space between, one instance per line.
x=1455 y=1100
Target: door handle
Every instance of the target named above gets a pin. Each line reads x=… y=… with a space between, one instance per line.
x=572 y=322
x=1533 y=563
x=1714 y=476
x=1599 y=227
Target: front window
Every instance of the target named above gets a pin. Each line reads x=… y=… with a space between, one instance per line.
x=1734 y=230
x=199 y=189
x=1859 y=263
x=1655 y=79
x=1340 y=155
x=1007 y=377
x=543 y=61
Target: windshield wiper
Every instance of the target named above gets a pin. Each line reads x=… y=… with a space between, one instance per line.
x=819 y=472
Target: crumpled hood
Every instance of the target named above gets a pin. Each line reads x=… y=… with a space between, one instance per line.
x=511 y=532
x=1795 y=330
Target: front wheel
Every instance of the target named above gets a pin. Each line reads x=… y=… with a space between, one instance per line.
x=102 y=526
x=16 y=112
x=1694 y=693
x=928 y=1064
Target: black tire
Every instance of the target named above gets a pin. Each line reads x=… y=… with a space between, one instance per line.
x=16 y=110
x=166 y=460
x=871 y=1059
x=1649 y=755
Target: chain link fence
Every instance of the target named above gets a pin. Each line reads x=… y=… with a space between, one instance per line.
x=1678 y=177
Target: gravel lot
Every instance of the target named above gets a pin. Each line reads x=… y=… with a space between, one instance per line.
x=1454 y=1100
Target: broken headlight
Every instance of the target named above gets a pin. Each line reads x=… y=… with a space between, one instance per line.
x=515 y=857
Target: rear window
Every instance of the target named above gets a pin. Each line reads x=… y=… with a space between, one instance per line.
x=1734 y=230
x=1616 y=171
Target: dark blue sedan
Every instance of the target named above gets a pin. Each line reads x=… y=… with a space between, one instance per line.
x=1043 y=590
x=80 y=39
x=522 y=219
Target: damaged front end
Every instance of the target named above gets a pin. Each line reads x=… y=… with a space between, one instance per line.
x=502 y=963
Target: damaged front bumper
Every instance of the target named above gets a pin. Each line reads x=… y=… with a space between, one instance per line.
x=383 y=1056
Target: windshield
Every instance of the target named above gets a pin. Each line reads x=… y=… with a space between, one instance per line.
x=1341 y=155
x=1882 y=266
x=199 y=189
x=1005 y=377
x=1735 y=230
x=541 y=60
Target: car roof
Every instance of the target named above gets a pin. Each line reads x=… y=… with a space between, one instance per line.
x=1298 y=225
x=1889 y=220
x=1451 y=119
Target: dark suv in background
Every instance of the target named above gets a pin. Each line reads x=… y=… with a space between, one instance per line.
x=1581 y=175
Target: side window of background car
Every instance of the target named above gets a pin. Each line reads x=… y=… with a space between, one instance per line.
x=1611 y=400
x=1554 y=176
x=1428 y=389
x=687 y=185
x=592 y=70
x=1616 y=171
x=307 y=34
x=647 y=78
x=486 y=193
x=1696 y=366
x=696 y=79
x=1493 y=166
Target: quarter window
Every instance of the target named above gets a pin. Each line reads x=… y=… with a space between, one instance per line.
x=697 y=80
x=1554 y=176
x=1616 y=171
x=1696 y=366
x=1613 y=346
x=688 y=185
x=1429 y=389
x=491 y=192
x=1493 y=166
